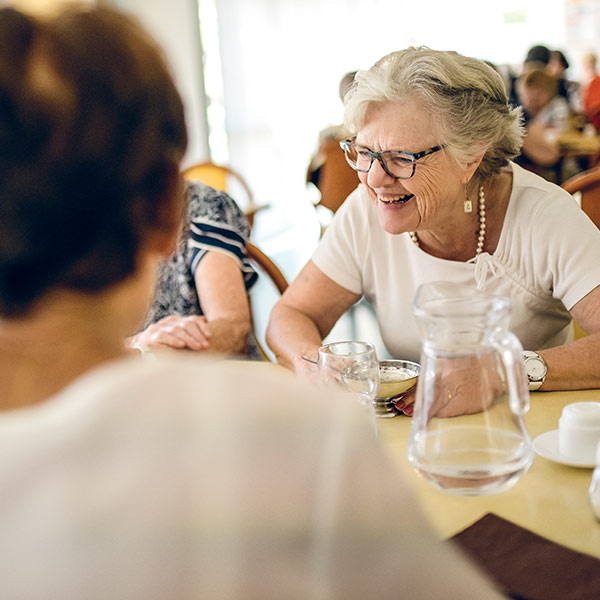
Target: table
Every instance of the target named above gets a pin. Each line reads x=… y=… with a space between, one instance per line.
x=550 y=499
x=576 y=144
x=579 y=143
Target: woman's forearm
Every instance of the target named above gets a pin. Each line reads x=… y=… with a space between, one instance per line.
x=229 y=336
x=291 y=333
x=573 y=366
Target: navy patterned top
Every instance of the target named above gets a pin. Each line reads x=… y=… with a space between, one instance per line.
x=213 y=222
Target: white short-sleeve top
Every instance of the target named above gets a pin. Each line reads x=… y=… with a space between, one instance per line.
x=547 y=259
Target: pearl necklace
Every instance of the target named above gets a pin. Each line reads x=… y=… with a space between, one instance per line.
x=480 y=237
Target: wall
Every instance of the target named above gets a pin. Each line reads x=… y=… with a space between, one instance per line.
x=174 y=24
x=283 y=59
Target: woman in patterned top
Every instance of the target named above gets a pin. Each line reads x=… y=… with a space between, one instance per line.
x=201 y=298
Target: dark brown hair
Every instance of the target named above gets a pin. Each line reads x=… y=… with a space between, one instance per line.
x=91 y=129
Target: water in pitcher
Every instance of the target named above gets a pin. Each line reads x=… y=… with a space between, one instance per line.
x=471 y=461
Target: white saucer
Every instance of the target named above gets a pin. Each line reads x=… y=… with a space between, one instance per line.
x=546 y=445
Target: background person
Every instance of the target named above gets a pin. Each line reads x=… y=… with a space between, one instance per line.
x=440 y=199
x=201 y=298
x=590 y=90
x=546 y=116
x=569 y=90
x=173 y=477
x=327 y=170
x=537 y=57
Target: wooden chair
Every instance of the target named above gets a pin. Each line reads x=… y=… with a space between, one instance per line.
x=333 y=177
x=225 y=179
x=271 y=284
x=588 y=185
x=337 y=178
x=268 y=266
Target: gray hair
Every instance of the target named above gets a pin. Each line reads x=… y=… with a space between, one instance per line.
x=466 y=96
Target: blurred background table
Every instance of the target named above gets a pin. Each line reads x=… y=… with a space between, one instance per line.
x=579 y=146
x=550 y=499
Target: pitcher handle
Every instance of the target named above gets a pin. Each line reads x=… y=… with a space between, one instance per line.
x=511 y=352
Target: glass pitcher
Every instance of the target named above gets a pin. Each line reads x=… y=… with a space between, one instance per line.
x=467 y=434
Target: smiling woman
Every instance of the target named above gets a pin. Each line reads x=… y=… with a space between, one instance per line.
x=441 y=200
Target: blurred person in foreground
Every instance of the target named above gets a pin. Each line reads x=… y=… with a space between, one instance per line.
x=440 y=199
x=169 y=477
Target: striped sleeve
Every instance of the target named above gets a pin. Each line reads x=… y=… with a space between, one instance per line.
x=216 y=224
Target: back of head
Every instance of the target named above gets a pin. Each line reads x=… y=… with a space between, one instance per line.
x=538 y=54
x=91 y=128
x=466 y=96
x=558 y=57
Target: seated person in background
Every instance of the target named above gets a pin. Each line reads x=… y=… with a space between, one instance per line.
x=569 y=90
x=201 y=299
x=441 y=199
x=537 y=57
x=328 y=170
x=546 y=115
x=177 y=477
x=590 y=90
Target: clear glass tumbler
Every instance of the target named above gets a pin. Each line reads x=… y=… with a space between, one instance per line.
x=353 y=368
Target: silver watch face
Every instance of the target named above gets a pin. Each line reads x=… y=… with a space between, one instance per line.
x=536 y=368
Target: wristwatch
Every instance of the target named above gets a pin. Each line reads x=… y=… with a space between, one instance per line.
x=536 y=369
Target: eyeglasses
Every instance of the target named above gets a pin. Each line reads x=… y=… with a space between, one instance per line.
x=396 y=163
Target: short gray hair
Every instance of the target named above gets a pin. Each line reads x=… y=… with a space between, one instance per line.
x=466 y=96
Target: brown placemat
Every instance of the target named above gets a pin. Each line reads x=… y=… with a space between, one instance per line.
x=527 y=566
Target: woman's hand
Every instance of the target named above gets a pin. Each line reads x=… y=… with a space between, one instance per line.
x=463 y=387
x=406 y=404
x=306 y=366
x=191 y=332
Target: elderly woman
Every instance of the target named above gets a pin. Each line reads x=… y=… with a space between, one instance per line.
x=441 y=200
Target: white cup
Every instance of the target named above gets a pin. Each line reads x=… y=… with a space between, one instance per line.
x=579 y=431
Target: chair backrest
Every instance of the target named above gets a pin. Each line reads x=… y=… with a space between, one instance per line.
x=271 y=284
x=337 y=178
x=225 y=179
x=588 y=185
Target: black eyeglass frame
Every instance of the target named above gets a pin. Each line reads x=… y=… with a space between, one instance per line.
x=413 y=156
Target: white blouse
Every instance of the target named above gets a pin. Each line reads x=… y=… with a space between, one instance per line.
x=547 y=259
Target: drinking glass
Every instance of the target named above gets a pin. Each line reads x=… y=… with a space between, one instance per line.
x=353 y=368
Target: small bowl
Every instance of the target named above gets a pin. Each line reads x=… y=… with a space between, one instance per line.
x=396 y=379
